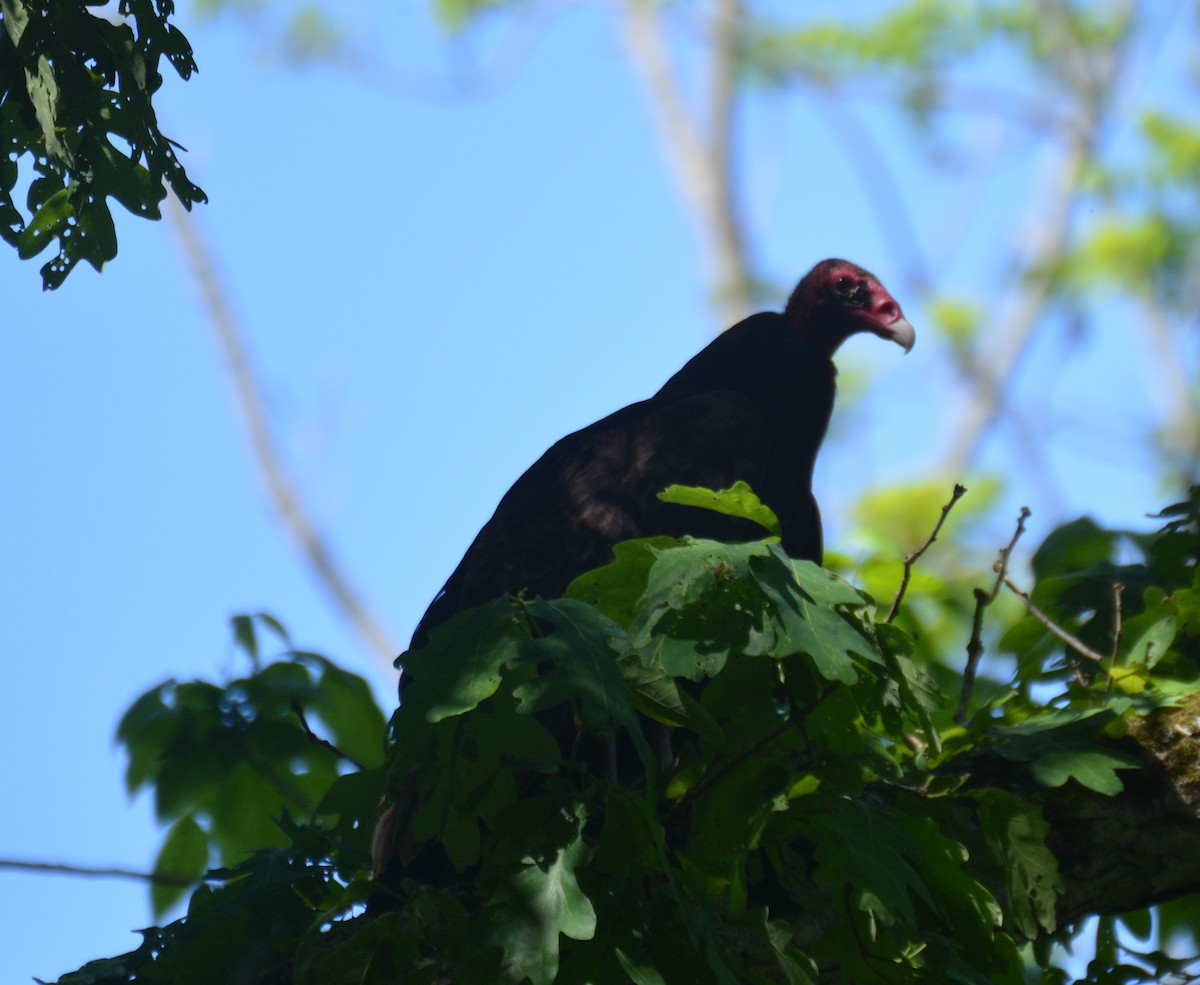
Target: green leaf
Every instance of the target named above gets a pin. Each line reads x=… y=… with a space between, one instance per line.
x=184 y=855
x=582 y=667
x=144 y=731
x=49 y=221
x=805 y=601
x=616 y=588
x=540 y=901
x=970 y=911
x=1140 y=923
x=460 y=665
x=1016 y=833
x=865 y=854
x=1094 y=768
x=794 y=968
x=1073 y=547
x=480 y=757
x=1148 y=636
x=383 y=951
x=1067 y=743
x=700 y=605
x=128 y=182
x=44 y=95
x=77 y=87
x=738 y=500
x=582 y=664
x=244 y=636
x=729 y=818
x=639 y=974
x=346 y=706
x=919 y=694
x=455 y=14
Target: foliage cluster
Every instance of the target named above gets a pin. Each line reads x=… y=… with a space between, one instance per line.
x=1141 y=234
x=707 y=763
x=76 y=93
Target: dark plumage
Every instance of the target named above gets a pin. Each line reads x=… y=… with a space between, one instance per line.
x=753 y=405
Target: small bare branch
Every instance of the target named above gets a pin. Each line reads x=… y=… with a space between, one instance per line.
x=1074 y=642
x=1118 y=628
x=324 y=743
x=982 y=601
x=282 y=491
x=974 y=655
x=59 y=868
x=912 y=558
x=728 y=765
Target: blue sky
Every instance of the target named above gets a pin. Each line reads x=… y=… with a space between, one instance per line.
x=433 y=292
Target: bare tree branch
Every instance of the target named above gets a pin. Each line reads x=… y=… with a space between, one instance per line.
x=1177 y=392
x=1122 y=852
x=912 y=558
x=1092 y=82
x=982 y=601
x=702 y=162
x=1074 y=642
x=734 y=287
x=317 y=740
x=282 y=491
x=60 y=868
x=992 y=373
x=1118 y=591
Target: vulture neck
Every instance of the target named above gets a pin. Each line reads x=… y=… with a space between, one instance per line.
x=790 y=376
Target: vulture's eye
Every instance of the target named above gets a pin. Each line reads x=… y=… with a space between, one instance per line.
x=849 y=289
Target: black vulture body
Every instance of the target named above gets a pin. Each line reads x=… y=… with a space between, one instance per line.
x=752 y=406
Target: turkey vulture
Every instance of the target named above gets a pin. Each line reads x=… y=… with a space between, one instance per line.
x=753 y=405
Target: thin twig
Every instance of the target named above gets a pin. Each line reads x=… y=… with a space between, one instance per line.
x=1118 y=628
x=728 y=764
x=911 y=559
x=982 y=601
x=974 y=654
x=325 y=743
x=59 y=868
x=282 y=491
x=1074 y=642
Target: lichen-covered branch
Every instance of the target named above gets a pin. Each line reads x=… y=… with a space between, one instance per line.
x=1134 y=849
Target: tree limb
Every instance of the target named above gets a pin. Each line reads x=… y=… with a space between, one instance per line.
x=60 y=868
x=1124 y=852
x=282 y=491
x=1175 y=389
x=702 y=163
x=1092 y=83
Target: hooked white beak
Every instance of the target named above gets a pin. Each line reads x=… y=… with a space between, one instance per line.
x=902 y=333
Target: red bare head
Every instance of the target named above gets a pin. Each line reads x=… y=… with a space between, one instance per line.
x=838 y=298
